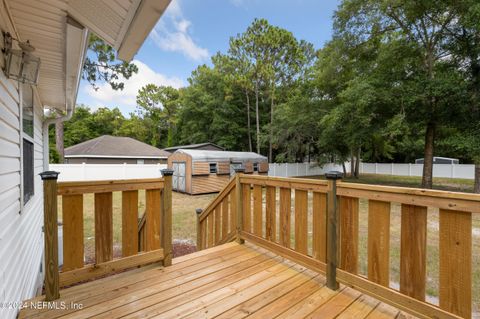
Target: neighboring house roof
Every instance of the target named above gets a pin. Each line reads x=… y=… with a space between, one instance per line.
x=59 y=32
x=205 y=155
x=107 y=146
x=193 y=146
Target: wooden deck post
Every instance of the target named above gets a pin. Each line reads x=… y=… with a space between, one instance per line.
x=332 y=229
x=239 y=204
x=52 y=281
x=167 y=217
x=199 y=211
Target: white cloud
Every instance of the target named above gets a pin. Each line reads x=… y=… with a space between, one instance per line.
x=126 y=98
x=172 y=33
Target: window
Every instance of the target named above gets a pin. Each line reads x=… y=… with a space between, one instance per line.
x=255 y=167
x=27 y=143
x=140 y=161
x=213 y=168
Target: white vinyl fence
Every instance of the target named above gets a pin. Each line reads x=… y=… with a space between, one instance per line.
x=439 y=170
x=302 y=169
x=89 y=172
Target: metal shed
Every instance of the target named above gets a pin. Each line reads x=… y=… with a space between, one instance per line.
x=204 y=171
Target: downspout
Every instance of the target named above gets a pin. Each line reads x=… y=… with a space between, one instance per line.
x=70 y=103
x=46 y=142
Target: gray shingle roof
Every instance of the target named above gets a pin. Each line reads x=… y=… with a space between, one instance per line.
x=115 y=146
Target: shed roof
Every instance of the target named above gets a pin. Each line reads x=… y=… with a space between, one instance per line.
x=107 y=146
x=193 y=146
x=205 y=155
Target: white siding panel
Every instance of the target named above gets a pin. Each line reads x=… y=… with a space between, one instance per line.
x=21 y=237
x=9 y=149
x=8 y=132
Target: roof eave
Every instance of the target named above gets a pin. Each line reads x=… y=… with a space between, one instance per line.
x=147 y=13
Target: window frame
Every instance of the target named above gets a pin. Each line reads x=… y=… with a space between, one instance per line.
x=215 y=168
x=31 y=139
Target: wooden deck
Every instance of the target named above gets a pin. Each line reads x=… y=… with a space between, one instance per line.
x=227 y=281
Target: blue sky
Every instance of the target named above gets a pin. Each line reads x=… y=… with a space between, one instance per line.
x=191 y=31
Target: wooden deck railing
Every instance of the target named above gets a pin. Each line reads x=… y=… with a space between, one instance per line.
x=217 y=224
x=316 y=223
x=157 y=229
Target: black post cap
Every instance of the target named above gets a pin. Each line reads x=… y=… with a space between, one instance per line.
x=199 y=211
x=49 y=175
x=239 y=169
x=167 y=172
x=334 y=175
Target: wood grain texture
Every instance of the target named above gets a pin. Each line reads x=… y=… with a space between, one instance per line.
x=103 y=227
x=129 y=223
x=225 y=219
x=232 y=206
x=301 y=221
x=92 y=271
x=210 y=238
x=348 y=210
x=153 y=219
x=379 y=242
x=456 y=262
x=72 y=219
x=271 y=213
x=285 y=213
x=247 y=208
x=166 y=221
x=319 y=237
x=332 y=235
x=84 y=187
x=413 y=251
x=218 y=223
x=257 y=210
x=52 y=281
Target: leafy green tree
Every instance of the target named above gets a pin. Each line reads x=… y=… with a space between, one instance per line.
x=423 y=26
x=101 y=65
x=159 y=104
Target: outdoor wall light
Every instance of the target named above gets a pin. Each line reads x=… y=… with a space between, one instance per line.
x=20 y=65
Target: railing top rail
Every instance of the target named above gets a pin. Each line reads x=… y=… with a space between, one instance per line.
x=285 y=182
x=85 y=187
x=412 y=196
x=226 y=190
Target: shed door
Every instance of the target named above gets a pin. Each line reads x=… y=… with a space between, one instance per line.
x=178 y=179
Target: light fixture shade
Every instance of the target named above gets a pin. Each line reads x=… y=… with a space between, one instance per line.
x=22 y=66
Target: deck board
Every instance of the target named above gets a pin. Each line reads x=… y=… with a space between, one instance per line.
x=228 y=281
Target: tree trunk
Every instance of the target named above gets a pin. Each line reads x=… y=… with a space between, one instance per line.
x=427 y=177
x=248 y=122
x=59 y=141
x=257 y=117
x=357 y=164
x=352 y=164
x=270 y=151
x=344 y=169
x=476 y=187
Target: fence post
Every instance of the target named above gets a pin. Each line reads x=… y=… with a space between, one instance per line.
x=52 y=281
x=199 y=211
x=167 y=216
x=332 y=229
x=453 y=171
x=409 y=169
x=239 y=201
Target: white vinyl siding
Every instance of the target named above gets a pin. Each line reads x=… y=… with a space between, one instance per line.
x=21 y=237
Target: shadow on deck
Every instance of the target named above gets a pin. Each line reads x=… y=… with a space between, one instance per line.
x=227 y=281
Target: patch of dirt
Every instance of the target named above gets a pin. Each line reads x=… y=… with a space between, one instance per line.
x=183 y=247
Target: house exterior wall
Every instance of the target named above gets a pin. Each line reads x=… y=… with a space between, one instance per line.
x=80 y=160
x=21 y=237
